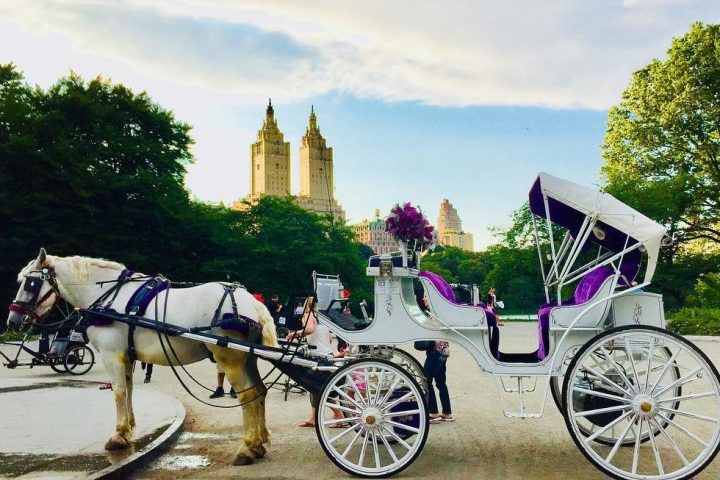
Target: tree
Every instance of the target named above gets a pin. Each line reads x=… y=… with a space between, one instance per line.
x=91 y=168
x=662 y=146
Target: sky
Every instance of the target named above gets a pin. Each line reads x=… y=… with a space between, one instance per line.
x=420 y=100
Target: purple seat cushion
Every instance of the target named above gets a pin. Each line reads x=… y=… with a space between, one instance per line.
x=443 y=287
x=585 y=290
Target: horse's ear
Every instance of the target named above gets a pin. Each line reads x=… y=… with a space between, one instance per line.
x=42 y=257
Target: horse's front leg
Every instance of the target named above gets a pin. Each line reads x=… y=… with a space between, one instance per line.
x=243 y=375
x=118 y=366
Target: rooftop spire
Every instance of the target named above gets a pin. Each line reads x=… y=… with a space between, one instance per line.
x=270 y=112
x=313 y=119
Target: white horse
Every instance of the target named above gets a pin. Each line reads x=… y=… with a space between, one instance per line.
x=75 y=279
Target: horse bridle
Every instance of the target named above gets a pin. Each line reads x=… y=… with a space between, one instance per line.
x=33 y=284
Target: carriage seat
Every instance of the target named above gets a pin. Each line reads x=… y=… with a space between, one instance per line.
x=447 y=292
x=587 y=289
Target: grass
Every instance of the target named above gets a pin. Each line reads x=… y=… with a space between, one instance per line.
x=695 y=321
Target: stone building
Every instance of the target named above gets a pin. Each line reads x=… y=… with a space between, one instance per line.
x=270 y=167
x=450 y=230
x=270 y=159
x=372 y=233
x=317 y=189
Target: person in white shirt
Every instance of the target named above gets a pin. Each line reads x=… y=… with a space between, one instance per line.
x=320 y=337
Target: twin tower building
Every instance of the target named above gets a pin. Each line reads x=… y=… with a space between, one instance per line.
x=270 y=167
x=270 y=175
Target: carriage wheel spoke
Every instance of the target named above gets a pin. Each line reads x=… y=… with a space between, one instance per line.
x=349 y=399
x=605 y=379
x=396 y=437
x=688 y=414
x=367 y=387
x=656 y=453
x=602 y=410
x=342 y=434
x=672 y=443
x=352 y=442
x=359 y=396
x=389 y=448
x=379 y=386
x=602 y=394
x=335 y=421
x=397 y=401
x=607 y=427
x=375 y=450
x=619 y=370
x=679 y=382
x=692 y=396
x=343 y=408
x=636 y=453
x=685 y=431
x=670 y=361
x=391 y=390
x=400 y=414
x=403 y=426
x=649 y=363
x=363 y=448
x=628 y=352
x=620 y=439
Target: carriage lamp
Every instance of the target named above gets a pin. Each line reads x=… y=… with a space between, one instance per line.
x=386 y=268
x=599 y=233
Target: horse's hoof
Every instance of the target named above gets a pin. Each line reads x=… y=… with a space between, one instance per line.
x=259 y=451
x=117 y=442
x=242 y=459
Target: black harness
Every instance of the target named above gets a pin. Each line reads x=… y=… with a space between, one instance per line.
x=102 y=313
x=33 y=285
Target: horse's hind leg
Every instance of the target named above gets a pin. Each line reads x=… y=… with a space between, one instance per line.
x=117 y=368
x=241 y=371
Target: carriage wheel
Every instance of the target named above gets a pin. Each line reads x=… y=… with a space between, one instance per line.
x=621 y=366
x=386 y=422
x=79 y=360
x=660 y=356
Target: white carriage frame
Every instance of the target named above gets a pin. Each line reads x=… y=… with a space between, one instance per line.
x=398 y=319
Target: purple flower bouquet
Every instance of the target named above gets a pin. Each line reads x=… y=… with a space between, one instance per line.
x=408 y=225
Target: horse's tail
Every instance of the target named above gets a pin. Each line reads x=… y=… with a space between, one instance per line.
x=269 y=336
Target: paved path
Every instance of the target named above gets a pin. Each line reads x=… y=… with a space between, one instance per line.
x=55 y=425
x=481 y=444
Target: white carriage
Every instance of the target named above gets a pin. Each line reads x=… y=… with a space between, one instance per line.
x=639 y=402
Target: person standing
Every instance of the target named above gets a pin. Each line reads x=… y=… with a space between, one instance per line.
x=435 y=368
x=492 y=304
x=220 y=391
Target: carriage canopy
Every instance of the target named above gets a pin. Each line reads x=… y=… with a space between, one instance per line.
x=617 y=226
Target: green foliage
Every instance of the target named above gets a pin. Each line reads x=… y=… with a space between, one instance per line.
x=707 y=291
x=662 y=146
x=695 y=321
x=513 y=272
x=91 y=168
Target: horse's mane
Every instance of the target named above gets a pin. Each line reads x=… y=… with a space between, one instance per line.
x=79 y=265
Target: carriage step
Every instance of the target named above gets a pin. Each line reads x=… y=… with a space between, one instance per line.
x=519 y=385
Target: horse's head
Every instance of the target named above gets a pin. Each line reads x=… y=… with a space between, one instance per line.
x=37 y=294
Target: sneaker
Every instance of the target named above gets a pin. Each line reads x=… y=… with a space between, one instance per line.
x=219 y=392
x=147 y=379
x=232 y=392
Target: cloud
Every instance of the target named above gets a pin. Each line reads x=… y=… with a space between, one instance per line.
x=561 y=54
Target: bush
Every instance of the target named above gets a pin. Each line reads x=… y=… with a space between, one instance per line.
x=707 y=291
x=695 y=321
